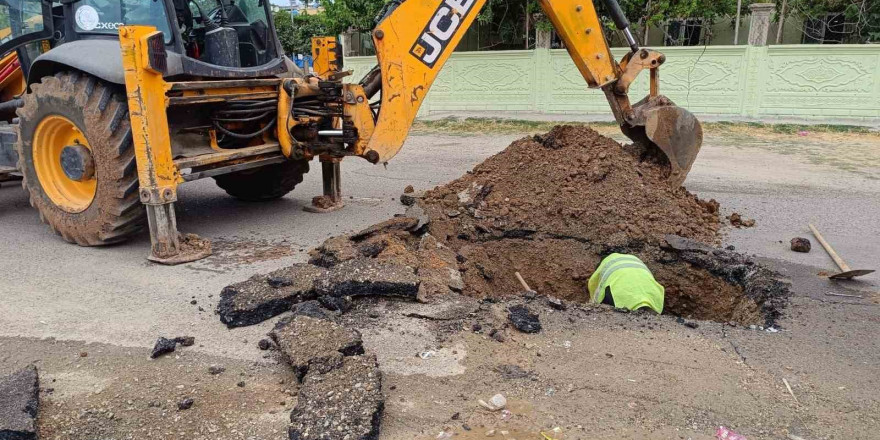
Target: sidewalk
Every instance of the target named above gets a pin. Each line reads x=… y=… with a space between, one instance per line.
x=571 y=117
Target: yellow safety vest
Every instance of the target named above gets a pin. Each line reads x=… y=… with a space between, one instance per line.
x=632 y=284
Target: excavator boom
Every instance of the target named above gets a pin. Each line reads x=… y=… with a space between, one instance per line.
x=415 y=38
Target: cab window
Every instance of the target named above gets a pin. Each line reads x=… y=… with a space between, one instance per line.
x=105 y=16
x=20 y=18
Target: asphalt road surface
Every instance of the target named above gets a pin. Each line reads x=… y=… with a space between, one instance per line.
x=114 y=295
x=87 y=316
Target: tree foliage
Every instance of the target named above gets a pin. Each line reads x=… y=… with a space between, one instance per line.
x=296 y=32
x=861 y=17
x=350 y=15
x=511 y=21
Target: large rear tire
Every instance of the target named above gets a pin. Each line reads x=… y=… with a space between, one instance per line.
x=264 y=183
x=72 y=108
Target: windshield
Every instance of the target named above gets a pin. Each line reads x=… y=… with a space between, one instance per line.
x=105 y=16
x=240 y=11
x=20 y=18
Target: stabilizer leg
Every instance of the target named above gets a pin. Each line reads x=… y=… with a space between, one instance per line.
x=331 y=201
x=168 y=246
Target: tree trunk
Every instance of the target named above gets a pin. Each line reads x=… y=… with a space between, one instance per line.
x=781 y=23
x=739 y=4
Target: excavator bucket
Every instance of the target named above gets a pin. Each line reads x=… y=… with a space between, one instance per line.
x=669 y=129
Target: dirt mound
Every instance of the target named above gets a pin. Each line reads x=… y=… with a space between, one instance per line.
x=551 y=207
x=573 y=182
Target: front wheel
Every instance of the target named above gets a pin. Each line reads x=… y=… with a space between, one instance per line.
x=77 y=159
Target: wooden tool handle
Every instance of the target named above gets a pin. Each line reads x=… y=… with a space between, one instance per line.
x=522 y=281
x=840 y=263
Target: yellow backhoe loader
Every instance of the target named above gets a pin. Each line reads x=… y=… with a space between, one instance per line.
x=129 y=99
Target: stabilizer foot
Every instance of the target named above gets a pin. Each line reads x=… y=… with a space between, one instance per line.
x=332 y=198
x=169 y=246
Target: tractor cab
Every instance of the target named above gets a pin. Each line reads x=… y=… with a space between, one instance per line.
x=203 y=38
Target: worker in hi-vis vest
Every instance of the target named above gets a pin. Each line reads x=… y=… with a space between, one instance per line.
x=623 y=281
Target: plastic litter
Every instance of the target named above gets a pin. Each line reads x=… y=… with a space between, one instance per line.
x=427 y=354
x=553 y=434
x=723 y=433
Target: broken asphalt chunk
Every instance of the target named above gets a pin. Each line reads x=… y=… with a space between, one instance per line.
x=256 y=300
x=392 y=224
x=523 y=319
x=556 y=303
x=163 y=346
x=335 y=303
x=305 y=341
x=365 y=277
x=409 y=199
x=418 y=213
x=19 y=403
x=344 y=403
x=186 y=341
x=312 y=309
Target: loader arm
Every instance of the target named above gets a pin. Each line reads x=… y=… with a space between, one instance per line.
x=416 y=37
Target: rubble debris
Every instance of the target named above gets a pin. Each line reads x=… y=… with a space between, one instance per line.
x=365 y=277
x=185 y=404
x=341 y=248
x=738 y=221
x=163 y=346
x=800 y=244
x=686 y=323
x=497 y=335
x=185 y=341
x=523 y=319
x=409 y=199
x=19 y=404
x=443 y=310
x=551 y=209
x=511 y=372
x=311 y=308
x=305 y=341
x=393 y=224
x=256 y=300
x=496 y=403
x=336 y=303
x=418 y=213
x=556 y=303
x=279 y=281
x=344 y=403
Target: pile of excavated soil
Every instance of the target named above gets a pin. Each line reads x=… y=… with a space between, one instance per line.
x=573 y=182
x=551 y=207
